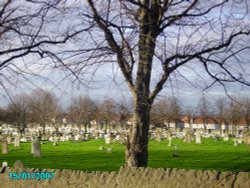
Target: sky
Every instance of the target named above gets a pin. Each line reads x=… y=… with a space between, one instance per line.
x=108 y=81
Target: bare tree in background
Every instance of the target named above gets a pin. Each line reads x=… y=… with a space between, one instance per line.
x=19 y=112
x=246 y=111
x=45 y=108
x=124 y=113
x=191 y=112
x=176 y=38
x=160 y=113
x=166 y=110
x=221 y=108
x=107 y=113
x=82 y=111
x=204 y=108
x=234 y=114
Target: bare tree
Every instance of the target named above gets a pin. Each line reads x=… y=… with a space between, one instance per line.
x=221 y=107
x=124 y=114
x=204 y=108
x=18 y=111
x=246 y=111
x=160 y=113
x=234 y=114
x=191 y=112
x=82 y=111
x=3 y=116
x=209 y=38
x=29 y=31
x=45 y=108
x=166 y=110
x=107 y=112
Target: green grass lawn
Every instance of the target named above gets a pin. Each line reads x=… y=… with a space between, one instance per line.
x=209 y=155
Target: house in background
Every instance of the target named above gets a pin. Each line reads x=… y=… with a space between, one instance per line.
x=212 y=125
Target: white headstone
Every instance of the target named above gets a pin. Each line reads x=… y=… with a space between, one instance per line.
x=55 y=142
x=32 y=148
x=158 y=134
x=170 y=141
x=101 y=135
x=4 y=164
x=101 y=148
x=62 y=138
x=198 y=138
x=24 y=139
x=9 y=139
x=109 y=150
x=17 y=141
x=239 y=141
x=76 y=137
x=235 y=142
x=5 y=146
x=86 y=137
x=107 y=139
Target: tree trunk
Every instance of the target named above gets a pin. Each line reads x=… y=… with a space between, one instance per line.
x=136 y=154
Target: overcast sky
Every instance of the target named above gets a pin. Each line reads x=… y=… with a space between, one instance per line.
x=108 y=81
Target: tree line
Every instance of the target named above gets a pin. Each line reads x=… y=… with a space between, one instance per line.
x=42 y=107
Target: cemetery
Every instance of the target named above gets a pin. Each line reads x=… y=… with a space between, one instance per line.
x=129 y=93
x=97 y=151
x=98 y=162
x=216 y=153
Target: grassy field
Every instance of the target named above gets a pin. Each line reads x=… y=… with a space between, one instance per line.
x=209 y=155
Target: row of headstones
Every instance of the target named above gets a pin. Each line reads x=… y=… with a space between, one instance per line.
x=198 y=138
x=35 y=146
x=7 y=140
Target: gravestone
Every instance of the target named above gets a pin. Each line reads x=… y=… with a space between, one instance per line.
x=198 y=138
x=107 y=138
x=117 y=137
x=67 y=138
x=158 y=135
x=36 y=148
x=5 y=146
x=235 y=142
x=76 y=137
x=109 y=150
x=175 y=151
x=170 y=141
x=4 y=164
x=239 y=141
x=55 y=142
x=169 y=135
x=17 y=141
x=51 y=139
x=226 y=138
x=188 y=137
x=216 y=137
x=24 y=139
x=9 y=139
x=63 y=138
x=101 y=148
x=86 y=137
x=32 y=141
x=246 y=137
x=18 y=166
x=101 y=136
